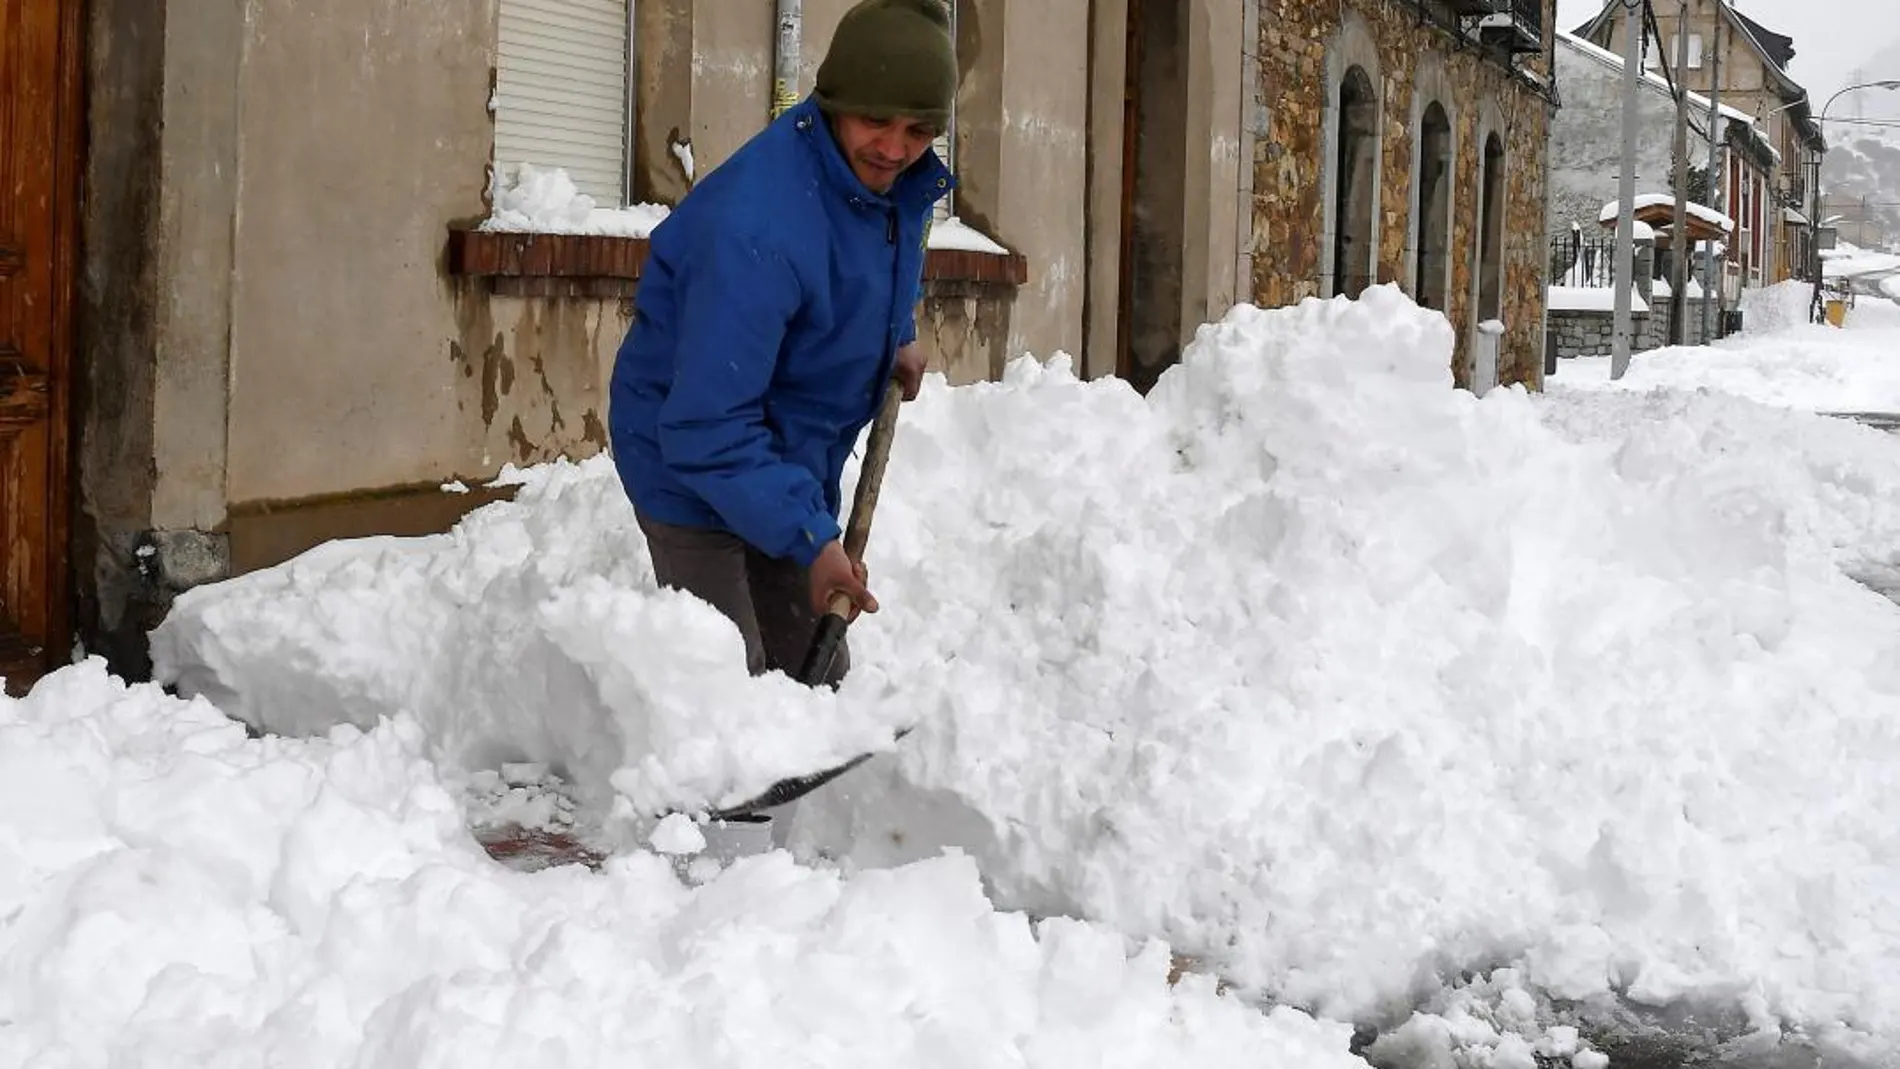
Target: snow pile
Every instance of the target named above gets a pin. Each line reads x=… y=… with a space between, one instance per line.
x=534 y=200
x=1332 y=675
x=1809 y=366
x=1778 y=309
x=172 y=892
x=532 y=633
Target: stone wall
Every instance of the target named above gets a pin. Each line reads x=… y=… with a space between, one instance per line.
x=1302 y=45
x=1660 y=314
x=1593 y=332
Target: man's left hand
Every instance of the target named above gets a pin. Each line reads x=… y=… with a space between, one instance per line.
x=910 y=370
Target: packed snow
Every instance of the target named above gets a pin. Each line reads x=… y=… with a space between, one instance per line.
x=1778 y=359
x=1370 y=695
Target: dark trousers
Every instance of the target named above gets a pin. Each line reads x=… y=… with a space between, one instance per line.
x=768 y=599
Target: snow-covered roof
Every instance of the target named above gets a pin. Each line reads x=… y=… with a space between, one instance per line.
x=1651 y=200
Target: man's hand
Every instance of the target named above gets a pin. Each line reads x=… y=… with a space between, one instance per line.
x=910 y=370
x=834 y=573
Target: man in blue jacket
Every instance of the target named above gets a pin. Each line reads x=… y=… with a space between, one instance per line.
x=776 y=303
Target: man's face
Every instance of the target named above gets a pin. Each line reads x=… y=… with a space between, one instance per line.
x=880 y=149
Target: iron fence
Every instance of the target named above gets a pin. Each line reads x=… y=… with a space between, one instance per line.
x=1587 y=262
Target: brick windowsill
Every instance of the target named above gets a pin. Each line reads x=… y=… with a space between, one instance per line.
x=605 y=266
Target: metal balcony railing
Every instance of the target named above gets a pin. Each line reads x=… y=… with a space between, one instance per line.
x=1530 y=18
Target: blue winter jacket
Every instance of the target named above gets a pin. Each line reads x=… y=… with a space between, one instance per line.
x=767 y=321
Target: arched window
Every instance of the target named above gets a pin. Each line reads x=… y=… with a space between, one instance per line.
x=1356 y=191
x=1491 y=231
x=1431 y=210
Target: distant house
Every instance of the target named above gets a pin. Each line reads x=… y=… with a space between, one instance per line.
x=336 y=265
x=1587 y=146
x=1772 y=243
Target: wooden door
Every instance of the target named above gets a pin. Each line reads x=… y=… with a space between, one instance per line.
x=39 y=185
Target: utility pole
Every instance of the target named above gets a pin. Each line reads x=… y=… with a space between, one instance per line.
x=1625 y=262
x=1679 y=245
x=1718 y=182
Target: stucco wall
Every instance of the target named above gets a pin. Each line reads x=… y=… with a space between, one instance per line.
x=1301 y=44
x=354 y=363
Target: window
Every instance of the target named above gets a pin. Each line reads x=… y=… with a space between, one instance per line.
x=1431 y=210
x=1655 y=55
x=1491 y=230
x=1355 y=195
x=562 y=98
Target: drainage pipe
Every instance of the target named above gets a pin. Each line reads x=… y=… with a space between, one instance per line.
x=785 y=55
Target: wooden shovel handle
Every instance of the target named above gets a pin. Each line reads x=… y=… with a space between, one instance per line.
x=877 y=455
x=831 y=626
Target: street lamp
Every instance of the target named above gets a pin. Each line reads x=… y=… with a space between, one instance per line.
x=1814 y=212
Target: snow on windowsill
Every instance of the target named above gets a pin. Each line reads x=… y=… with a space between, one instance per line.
x=956 y=235
x=537 y=200
x=546 y=201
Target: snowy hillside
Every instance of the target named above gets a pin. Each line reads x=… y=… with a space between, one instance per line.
x=1860 y=175
x=1372 y=696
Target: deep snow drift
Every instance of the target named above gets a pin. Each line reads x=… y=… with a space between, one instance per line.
x=1337 y=677
x=173 y=893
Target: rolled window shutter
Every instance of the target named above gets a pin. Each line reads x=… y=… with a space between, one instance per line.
x=561 y=89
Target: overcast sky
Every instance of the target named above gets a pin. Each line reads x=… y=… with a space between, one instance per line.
x=1831 y=39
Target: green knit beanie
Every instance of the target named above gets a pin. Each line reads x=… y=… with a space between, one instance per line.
x=891 y=58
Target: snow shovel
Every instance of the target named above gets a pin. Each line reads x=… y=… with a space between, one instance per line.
x=831 y=626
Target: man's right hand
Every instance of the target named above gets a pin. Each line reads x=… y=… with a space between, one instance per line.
x=835 y=573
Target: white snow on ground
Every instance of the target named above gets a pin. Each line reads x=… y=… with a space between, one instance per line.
x=1851 y=261
x=1778 y=359
x=1337 y=677
x=174 y=893
x=1591 y=299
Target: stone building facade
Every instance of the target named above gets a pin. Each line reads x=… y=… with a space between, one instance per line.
x=1417 y=157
